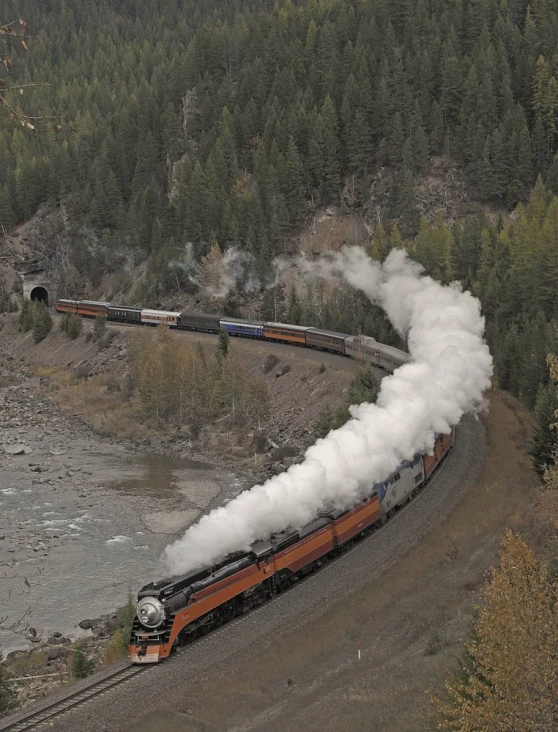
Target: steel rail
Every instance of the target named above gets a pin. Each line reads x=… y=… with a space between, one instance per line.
x=35 y=718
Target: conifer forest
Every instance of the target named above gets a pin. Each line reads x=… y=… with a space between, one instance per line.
x=168 y=135
x=228 y=124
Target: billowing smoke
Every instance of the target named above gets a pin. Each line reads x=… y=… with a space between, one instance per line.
x=449 y=371
x=218 y=275
x=230 y=273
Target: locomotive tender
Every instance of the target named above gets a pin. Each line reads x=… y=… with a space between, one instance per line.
x=177 y=610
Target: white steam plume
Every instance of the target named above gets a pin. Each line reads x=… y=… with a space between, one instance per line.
x=230 y=273
x=449 y=371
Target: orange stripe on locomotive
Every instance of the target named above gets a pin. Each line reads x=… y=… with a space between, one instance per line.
x=306 y=551
x=357 y=520
x=209 y=599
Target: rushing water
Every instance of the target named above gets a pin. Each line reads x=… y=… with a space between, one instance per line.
x=88 y=529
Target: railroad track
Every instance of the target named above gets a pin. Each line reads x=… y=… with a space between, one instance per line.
x=31 y=721
x=36 y=718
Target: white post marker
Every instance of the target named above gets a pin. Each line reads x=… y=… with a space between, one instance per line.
x=358 y=651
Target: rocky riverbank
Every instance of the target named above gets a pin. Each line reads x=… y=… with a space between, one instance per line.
x=77 y=504
x=50 y=662
x=74 y=505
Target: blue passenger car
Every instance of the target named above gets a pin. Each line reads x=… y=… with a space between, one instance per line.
x=245 y=328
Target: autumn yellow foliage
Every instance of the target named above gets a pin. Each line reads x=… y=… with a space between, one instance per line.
x=510 y=680
x=178 y=383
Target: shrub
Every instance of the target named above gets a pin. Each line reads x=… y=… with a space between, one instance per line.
x=433 y=645
x=107 y=339
x=7 y=694
x=74 y=326
x=42 y=323
x=322 y=367
x=80 y=665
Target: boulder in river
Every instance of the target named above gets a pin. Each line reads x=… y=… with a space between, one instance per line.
x=19 y=449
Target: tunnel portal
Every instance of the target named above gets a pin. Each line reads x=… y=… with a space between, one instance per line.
x=39 y=294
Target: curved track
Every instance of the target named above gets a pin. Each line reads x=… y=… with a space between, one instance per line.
x=34 y=718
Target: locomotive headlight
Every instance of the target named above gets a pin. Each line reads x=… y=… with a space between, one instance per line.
x=151 y=612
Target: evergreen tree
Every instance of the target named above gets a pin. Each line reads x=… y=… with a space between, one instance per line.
x=294 y=193
x=99 y=328
x=544 y=442
x=42 y=323
x=74 y=326
x=329 y=143
x=222 y=344
x=273 y=304
x=294 y=308
x=80 y=664
x=406 y=202
x=26 y=315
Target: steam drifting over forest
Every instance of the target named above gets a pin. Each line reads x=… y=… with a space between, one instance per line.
x=450 y=369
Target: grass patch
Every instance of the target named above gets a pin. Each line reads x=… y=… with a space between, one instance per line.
x=25 y=665
x=99 y=400
x=434 y=644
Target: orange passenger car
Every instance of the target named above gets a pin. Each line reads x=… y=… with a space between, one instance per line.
x=91 y=309
x=66 y=306
x=285 y=333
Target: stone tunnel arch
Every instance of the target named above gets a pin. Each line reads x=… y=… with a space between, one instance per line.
x=39 y=294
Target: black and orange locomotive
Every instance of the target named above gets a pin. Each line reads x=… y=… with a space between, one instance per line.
x=175 y=611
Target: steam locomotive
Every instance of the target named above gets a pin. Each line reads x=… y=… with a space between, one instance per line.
x=177 y=610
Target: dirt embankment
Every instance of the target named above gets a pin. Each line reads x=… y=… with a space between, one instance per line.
x=409 y=611
x=301 y=382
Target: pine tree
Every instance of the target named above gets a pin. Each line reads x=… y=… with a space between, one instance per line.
x=42 y=323
x=294 y=308
x=511 y=676
x=432 y=248
x=27 y=315
x=294 y=194
x=273 y=304
x=80 y=664
x=406 y=202
x=99 y=328
x=359 y=148
x=74 y=326
x=222 y=344
x=329 y=142
x=544 y=442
